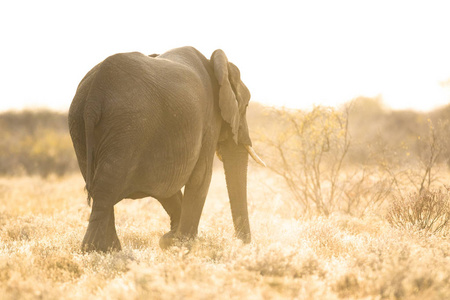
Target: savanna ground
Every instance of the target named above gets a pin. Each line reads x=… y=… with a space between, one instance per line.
x=296 y=252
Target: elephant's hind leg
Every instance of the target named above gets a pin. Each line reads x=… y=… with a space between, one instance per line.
x=172 y=206
x=192 y=205
x=101 y=234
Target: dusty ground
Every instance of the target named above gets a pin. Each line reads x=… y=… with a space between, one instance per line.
x=42 y=222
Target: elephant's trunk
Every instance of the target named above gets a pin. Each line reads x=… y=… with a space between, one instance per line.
x=235 y=162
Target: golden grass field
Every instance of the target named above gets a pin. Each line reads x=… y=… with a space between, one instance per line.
x=42 y=223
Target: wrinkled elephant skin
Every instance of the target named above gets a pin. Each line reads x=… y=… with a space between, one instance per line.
x=149 y=125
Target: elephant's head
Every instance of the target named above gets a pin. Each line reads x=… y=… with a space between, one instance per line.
x=234 y=141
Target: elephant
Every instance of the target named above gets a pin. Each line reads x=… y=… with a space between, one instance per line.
x=149 y=125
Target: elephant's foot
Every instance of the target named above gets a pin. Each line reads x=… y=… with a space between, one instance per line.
x=167 y=240
x=246 y=238
x=101 y=234
x=94 y=241
x=175 y=239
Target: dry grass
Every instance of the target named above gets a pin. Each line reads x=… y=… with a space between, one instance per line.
x=42 y=222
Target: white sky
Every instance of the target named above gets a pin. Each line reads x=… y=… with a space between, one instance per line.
x=290 y=53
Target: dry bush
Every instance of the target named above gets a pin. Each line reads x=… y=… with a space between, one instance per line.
x=352 y=160
x=408 y=147
x=430 y=152
x=428 y=210
x=413 y=167
x=35 y=143
x=309 y=151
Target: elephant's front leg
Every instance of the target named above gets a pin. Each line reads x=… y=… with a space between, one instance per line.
x=191 y=207
x=101 y=233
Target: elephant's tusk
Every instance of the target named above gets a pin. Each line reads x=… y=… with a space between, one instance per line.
x=219 y=155
x=255 y=156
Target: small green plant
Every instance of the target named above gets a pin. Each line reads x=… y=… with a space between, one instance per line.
x=428 y=210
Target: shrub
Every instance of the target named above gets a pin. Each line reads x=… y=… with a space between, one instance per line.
x=309 y=152
x=428 y=210
x=35 y=143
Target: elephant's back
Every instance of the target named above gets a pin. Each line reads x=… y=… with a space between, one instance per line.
x=149 y=134
x=152 y=73
x=143 y=81
x=147 y=93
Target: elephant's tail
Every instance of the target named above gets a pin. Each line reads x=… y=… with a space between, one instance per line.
x=91 y=118
x=89 y=160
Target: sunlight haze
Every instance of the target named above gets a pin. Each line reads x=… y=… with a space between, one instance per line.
x=158 y=183
x=292 y=53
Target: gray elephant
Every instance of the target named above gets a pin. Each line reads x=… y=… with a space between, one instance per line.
x=150 y=125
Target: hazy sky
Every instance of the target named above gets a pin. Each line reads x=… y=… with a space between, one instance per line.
x=291 y=53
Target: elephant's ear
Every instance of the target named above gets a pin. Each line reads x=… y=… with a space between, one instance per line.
x=227 y=99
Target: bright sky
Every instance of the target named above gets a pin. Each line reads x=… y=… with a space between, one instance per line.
x=290 y=53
